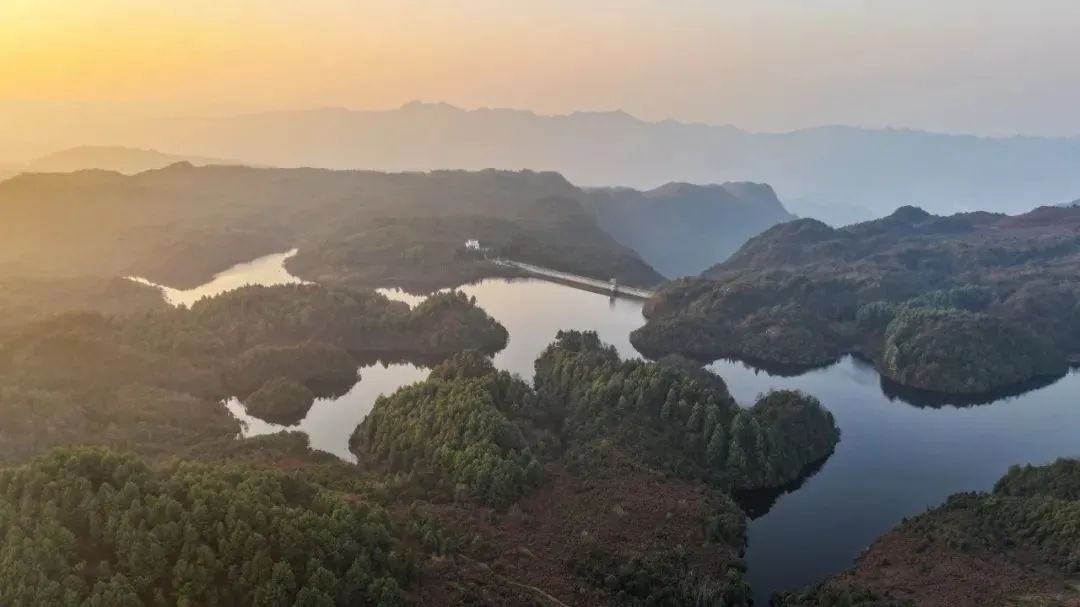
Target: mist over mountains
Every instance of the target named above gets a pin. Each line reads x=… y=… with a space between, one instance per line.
x=119 y=159
x=127 y=161
x=838 y=174
x=681 y=229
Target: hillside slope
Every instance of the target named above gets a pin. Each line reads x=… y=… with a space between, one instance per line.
x=1016 y=545
x=181 y=224
x=965 y=304
x=682 y=229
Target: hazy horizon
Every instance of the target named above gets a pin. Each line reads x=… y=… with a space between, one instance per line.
x=759 y=66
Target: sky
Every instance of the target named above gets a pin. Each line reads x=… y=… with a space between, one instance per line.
x=993 y=67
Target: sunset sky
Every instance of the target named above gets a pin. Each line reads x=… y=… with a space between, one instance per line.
x=981 y=66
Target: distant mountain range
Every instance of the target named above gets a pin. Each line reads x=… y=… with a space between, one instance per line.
x=839 y=174
x=108 y=158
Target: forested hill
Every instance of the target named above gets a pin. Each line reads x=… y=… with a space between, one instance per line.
x=681 y=228
x=963 y=304
x=474 y=487
x=1016 y=545
x=181 y=224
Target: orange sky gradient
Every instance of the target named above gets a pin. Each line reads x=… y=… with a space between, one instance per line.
x=760 y=64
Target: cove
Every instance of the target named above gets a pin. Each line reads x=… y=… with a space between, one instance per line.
x=898 y=454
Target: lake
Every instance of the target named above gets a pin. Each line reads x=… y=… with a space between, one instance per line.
x=896 y=457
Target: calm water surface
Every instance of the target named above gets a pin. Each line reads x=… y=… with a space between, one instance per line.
x=269 y=270
x=895 y=458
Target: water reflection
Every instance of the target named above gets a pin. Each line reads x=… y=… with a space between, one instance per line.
x=893 y=460
x=401 y=295
x=922 y=398
x=757 y=503
x=269 y=270
x=532 y=310
x=331 y=421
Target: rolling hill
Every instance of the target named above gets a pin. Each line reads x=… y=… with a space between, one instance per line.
x=181 y=224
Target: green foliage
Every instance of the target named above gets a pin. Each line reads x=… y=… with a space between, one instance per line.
x=665 y=578
x=280 y=401
x=461 y=428
x=68 y=378
x=779 y=318
x=772 y=443
x=950 y=350
x=976 y=302
x=92 y=527
x=451 y=322
x=1050 y=524
x=679 y=418
x=727 y=524
x=876 y=315
x=324 y=369
x=353 y=320
x=1032 y=511
x=1060 y=479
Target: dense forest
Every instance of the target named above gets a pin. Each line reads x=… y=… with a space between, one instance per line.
x=95 y=528
x=1017 y=544
x=151 y=381
x=966 y=304
x=471 y=433
x=280 y=401
x=645 y=432
x=676 y=417
x=482 y=430
x=451 y=469
x=463 y=428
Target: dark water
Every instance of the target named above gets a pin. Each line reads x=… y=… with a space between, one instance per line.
x=895 y=458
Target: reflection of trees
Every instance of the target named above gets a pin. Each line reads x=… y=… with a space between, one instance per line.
x=936 y=400
x=758 y=503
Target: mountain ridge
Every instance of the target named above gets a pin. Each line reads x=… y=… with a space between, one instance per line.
x=840 y=174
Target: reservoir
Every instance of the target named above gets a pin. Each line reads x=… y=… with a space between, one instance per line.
x=897 y=455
